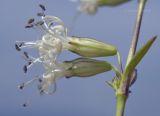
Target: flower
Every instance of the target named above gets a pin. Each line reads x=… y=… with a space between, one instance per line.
x=47 y=81
x=53 y=41
x=49 y=46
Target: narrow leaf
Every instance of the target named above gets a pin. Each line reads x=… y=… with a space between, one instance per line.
x=138 y=56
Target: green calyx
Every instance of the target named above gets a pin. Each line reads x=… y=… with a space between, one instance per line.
x=91 y=48
x=86 y=67
x=111 y=2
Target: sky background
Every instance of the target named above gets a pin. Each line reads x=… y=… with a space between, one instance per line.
x=76 y=96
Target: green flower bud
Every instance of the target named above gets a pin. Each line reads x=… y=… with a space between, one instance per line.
x=91 y=6
x=85 y=67
x=111 y=2
x=90 y=48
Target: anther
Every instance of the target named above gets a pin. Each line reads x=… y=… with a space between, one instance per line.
x=30 y=21
x=21 y=86
x=29 y=26
x=39 y=23
x=40 y=80
x=40 y=14
x=26 y=54
x=17 y=47
x=42 y=7
x=30 y=62
x=25 y=69
x=24 y=105
x=50 y=24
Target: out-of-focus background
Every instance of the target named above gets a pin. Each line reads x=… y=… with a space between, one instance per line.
x=76 y=96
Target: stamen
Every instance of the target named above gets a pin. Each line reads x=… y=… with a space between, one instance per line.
x=25 y=68
x=40 y=80
x=21 y=86
x=28 y=58
x=29 y=26
x=28 y=82
x=24 y=105
x=17 y=47
x=42 y=7
x=30 y=21
x=41 y=14
x=39 y=23
x=30 y=62
x=26 y=55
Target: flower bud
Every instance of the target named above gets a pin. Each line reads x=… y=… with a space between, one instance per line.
x=91 y=6
x=90 y=48
x=85 y=67
x=111 y=2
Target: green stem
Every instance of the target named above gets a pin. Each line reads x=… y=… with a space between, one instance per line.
x=120 y=104
x=136 y=30
x=124 y=84
x=123 y=91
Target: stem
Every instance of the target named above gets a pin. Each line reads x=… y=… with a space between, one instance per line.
x=136 y=30
x=120 y=104
x=124 y=84
x=123 y=91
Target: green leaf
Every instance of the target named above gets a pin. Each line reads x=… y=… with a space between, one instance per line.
x=138 y=56
x=118 y=74
x=109 y=83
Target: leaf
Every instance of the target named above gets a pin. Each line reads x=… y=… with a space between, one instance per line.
x=118 y=74
x=109 y=83
x=138 y=56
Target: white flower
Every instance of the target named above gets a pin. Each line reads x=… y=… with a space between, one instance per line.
x=49 y=46
x=53 y=40
x=47 y=81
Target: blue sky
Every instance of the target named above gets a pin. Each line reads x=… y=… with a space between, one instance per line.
x=75 y=96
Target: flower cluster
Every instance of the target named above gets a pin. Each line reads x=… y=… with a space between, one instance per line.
x=52 y=43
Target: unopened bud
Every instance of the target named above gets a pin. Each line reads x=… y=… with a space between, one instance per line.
x=111 y=2
x=91 y=6
x=85 y=67
x=90 y=48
